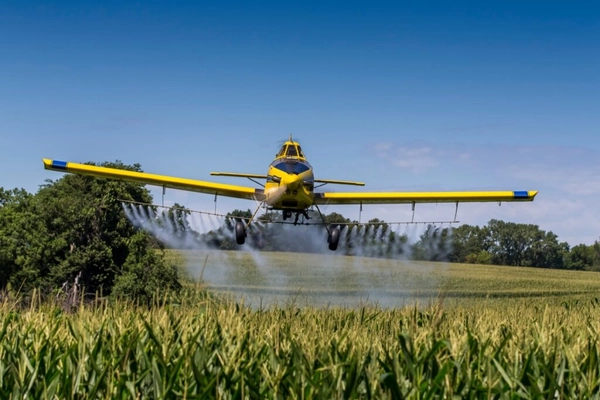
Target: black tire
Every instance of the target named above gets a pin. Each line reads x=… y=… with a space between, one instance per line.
x=240 y=232
x=334 y=239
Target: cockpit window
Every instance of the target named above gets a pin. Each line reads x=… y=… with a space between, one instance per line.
x=291 y=151
x=282 y=151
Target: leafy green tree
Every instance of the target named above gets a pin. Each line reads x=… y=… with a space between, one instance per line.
x=22 y=239
x=581 y=257
x=145 y=274
x=77 y=225
x=240 y=214
x=468 y=244
x=178 y=216
x=336 y=218
x=596 y=247
x=483 y=257
x=525 y=245
x=434 y=244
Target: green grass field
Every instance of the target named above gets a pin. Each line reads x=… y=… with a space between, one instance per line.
x=493 y=332
x=310 y=279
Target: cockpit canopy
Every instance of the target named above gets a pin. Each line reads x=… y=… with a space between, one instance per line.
x=291 y=150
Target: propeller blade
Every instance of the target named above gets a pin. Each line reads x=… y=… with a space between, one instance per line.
x=273 y=195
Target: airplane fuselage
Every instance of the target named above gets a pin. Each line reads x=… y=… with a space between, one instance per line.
x=290 y=184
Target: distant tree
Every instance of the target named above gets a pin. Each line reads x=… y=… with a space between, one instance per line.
x=268 y=216
x=581 y=257
x=240 y=214
x=596 y=247
x=335 y=218
x=377 y=223
x=22 y=236
x=483 y=257
x=178 y=216
x=434 y=244
x=525 y=245
x=469 y=243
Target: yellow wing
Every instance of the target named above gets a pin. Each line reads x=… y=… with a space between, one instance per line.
x=422 y=197
x=242 y=192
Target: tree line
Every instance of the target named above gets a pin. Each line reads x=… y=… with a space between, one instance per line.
x=75 y=227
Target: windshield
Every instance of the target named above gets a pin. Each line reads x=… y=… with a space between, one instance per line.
x=282 y=151
x=291 y=151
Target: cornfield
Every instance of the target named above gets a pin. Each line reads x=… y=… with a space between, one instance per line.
x=200 y=346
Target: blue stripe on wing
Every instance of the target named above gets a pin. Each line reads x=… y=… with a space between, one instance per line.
x=59 y=164
x=521 y=194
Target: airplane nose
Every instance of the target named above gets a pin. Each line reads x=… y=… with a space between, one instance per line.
x=292 y=182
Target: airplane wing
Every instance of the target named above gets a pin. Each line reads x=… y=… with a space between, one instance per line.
x=242 y=192
x=422 y=197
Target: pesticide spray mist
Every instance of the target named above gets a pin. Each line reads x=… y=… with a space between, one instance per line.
x=371 y=265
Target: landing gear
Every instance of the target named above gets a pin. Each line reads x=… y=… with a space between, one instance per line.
x=286 y=214
x=333 y=234
x=333 y=238
x=240 y=232
x=241 y=227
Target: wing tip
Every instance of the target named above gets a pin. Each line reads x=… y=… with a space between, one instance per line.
x=54 y=164
x=525 y=194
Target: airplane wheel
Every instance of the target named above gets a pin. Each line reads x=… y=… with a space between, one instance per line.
x=334 y=239
x=240 y=232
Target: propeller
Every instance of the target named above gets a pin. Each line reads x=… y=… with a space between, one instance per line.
x=291 y=138
x=274 y=194
x=291 y=182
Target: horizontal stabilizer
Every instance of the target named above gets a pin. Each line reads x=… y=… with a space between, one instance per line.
x=237 y=175
x=332 y=181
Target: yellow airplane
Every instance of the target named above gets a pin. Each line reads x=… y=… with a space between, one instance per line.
x=290 y=188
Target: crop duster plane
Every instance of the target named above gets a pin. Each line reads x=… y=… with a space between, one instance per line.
x=290 y=188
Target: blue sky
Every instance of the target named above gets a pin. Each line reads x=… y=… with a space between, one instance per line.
x=402 y=95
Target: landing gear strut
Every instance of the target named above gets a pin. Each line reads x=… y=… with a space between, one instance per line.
x=333 y=234
x=241 y=227
x=287 y=214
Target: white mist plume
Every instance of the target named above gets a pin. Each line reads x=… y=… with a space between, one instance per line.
x=319 y=276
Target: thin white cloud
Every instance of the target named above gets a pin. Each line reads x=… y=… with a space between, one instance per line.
x=415 y=159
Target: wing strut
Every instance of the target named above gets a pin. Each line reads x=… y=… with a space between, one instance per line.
x=456 y=211
x=254 y=215
x=360 y=212
x=413 y=210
